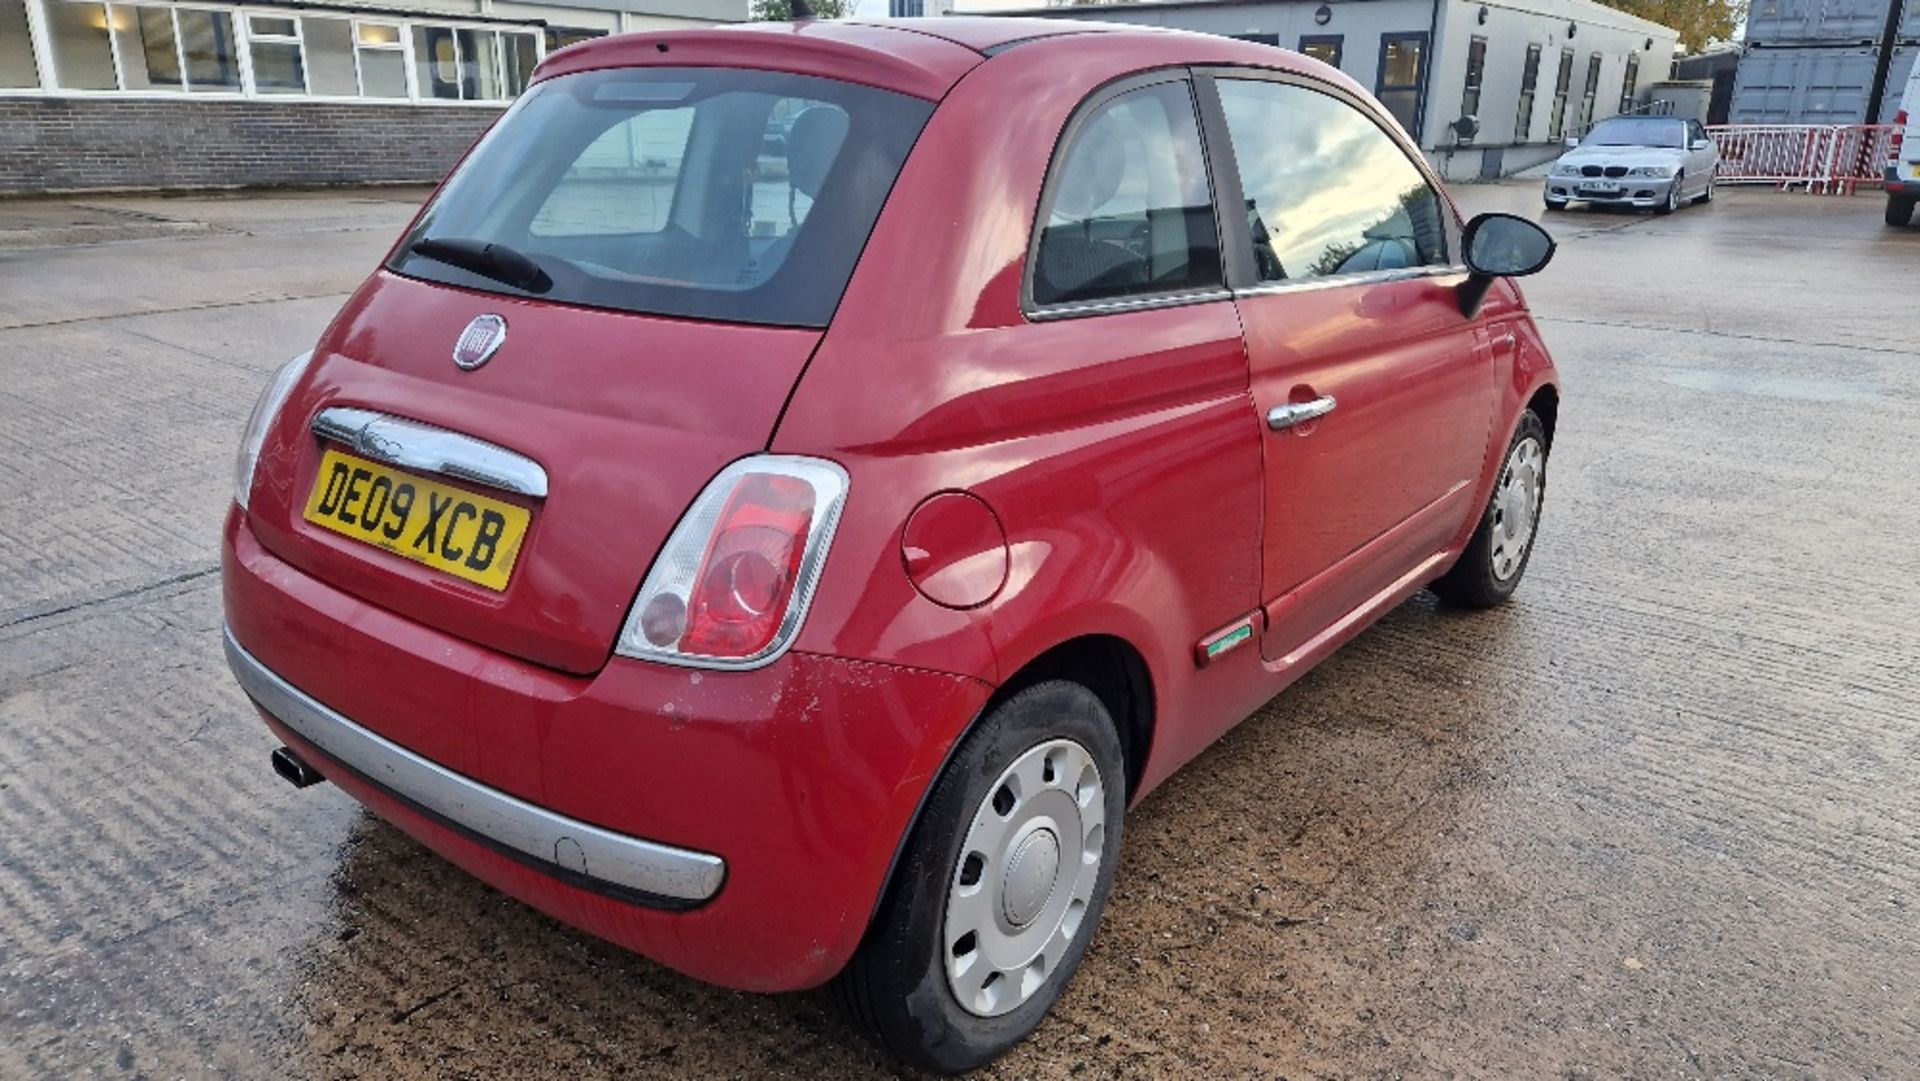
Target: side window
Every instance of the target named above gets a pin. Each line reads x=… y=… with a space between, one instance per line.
x=1328 y=191
x=1129 y=211
x=1695 y=133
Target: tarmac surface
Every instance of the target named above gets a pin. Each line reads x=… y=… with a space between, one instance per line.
x=1657 y=818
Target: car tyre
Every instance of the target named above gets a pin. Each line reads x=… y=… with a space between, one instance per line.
x=1899 y=210
x=1556 y=204
x=1672 y=202
x=1706 y=196
x=1497 y=555
x=977 y=885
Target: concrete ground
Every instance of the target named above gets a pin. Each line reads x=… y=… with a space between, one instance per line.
x=1656 y=818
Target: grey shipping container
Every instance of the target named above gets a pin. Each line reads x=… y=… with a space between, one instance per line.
x=1776 y=22
x=1814 y=85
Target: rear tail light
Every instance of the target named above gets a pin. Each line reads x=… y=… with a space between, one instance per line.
x=732 y=586
x=1896 y=137
x=264 y=410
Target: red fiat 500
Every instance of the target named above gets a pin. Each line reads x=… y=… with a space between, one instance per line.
x=795 y=487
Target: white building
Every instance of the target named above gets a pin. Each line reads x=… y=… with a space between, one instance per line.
x=1530 y=72
x=215 y=93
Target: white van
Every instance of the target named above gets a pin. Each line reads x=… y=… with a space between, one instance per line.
x=1903 y=155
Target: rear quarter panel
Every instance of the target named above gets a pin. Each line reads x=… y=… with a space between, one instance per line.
x=1121 y=452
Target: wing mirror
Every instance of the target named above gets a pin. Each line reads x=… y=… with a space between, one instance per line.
x=1500 y=246
x=1702 y=144
x=1572 y=141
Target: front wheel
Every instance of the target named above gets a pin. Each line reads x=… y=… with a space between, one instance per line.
x=1672 y=202
x=1000 y=886
x=1496 y=556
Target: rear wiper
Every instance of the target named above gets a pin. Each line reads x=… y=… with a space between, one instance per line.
x=487 y=259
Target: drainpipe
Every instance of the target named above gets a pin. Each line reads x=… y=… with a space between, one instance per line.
x=1426 y=75
x=1882 y=67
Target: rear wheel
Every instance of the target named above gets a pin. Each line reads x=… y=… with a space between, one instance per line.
x=1706 y=196
x=1496 y=557
x=1000 y=887
x=1900 y=210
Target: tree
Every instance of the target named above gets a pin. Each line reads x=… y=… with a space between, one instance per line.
x=782 y=10
x=1702 y=23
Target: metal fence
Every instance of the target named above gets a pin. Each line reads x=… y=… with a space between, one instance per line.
x=1827 y=159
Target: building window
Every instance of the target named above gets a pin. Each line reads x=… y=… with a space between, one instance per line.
x=274 y=45
x=559 y=37
x=1592 y=90
x=328 y=57
x=465 y=64
x=1629 y=83
x=208 y=49
x=82 y=46
x=1257 y=39
x=1325 y=48
x=16 y=48
x=1557 y=123
x=1402 y=81
x=1529 y=80
x=1476 y=72
x=906 y=9
x=150 y=47
x=382 y=56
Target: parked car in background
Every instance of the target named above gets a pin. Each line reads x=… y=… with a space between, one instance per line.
x=1650 y=162
x=794 y=573
x=1903 y=155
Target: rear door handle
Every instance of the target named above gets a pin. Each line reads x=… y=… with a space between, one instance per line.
x=1282 y=417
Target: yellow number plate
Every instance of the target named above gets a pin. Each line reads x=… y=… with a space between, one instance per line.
x=451 y=530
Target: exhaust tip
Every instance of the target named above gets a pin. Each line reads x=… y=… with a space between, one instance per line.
x=293 y=770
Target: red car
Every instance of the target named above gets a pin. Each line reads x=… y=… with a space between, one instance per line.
x=789 y=557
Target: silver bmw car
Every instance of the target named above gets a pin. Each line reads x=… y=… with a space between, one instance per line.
x=1650 y=162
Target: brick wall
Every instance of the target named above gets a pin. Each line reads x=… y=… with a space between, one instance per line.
x=76 y=144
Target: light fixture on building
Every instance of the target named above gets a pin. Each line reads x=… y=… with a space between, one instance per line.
x=1649 y=45
x=1483 y=14
x=1323 y=15
x=1572 y=28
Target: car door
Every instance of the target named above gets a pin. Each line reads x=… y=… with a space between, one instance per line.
x=1700 y=162
x=1374 y=392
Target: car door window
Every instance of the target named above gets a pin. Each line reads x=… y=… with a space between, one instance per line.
x=1328 y=191
x=1128 y=210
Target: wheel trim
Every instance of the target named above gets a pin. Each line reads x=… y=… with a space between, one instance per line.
x=1025 y=876
x=1516 y=506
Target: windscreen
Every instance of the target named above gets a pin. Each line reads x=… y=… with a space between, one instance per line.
x=709 y=193
x=1639 y=131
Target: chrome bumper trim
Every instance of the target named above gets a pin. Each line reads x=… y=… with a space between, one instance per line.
x=563 y=846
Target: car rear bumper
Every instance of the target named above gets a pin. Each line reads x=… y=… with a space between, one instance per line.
x=1896 y=185
x=1641 y=192
x=735 y=826
x=649 y=873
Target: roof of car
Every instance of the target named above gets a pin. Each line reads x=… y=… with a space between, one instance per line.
x=921 y=57
x=986 y=34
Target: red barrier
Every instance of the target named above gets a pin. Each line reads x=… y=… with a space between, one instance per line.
x=1824 y=158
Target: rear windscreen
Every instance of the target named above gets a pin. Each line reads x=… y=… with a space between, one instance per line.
x=710 y=193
